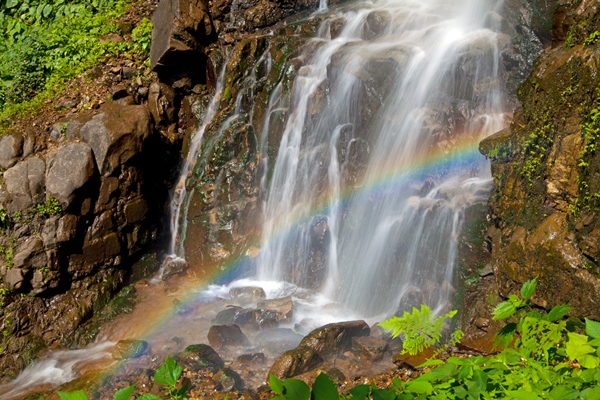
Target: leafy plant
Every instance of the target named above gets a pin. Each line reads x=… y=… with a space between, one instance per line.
x=167 y=375
x=49 y=208
x=142 y=36
x=420 y=329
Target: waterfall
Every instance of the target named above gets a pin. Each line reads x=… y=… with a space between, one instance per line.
x=386 y=192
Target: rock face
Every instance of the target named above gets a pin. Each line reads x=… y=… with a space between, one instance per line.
x=546 y=172
x=331 y=338
x=76 y=219
x=295 y=362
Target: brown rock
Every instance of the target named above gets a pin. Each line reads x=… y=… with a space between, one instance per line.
x=228 y=380
x=198 y=356
x=11 y=148
x=282 y=309
x=251 y=359
x=248 y=294
x=161 y=103
x=369 y=348
x=334 y=337
x=295 y=362
x=135 y=211
x=130 y=348
x=220 y=336
x=69 y=170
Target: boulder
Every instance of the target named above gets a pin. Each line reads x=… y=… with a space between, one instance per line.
x=247 y=295
x=251 y=359
x=331 y=338
x=220 y=336
x=116 y=135
x=181 y=30
x=129 y=348
x=276 y=341
x=14 y=278
x=70 y=169
x=295 y=362
x=161 y=103
x=369 y=348
x=198 y=356
x=30 y=254
x=234 y=315
x=25 y=183
x=11 y=148
x=228 y=380
x=281 y=309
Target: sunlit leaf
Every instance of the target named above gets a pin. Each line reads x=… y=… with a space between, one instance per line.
x=504 y=310
x=592 y=328
x=528 y=288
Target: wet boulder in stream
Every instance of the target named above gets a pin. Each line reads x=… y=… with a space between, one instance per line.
x=198 y=356
x=331 y=338
x=295 y=362
x=221 y=336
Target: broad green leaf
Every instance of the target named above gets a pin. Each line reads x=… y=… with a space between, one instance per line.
x=505 y=336
x=360 y=392
x=168 y=373
x=588 y=361
x=384 y=394
x=11 y=4
x=590 y=393
x=563 y=392
x=444 y=372
x=148 y=396
x=558 y=312
x=481 y=378
x=125 y=393
x=76 y=395
x=47 y=10
x=592 y=328
x=275 y=384
x=324 y=389
x=295 y=389
x=528 y=288
x=504 y=310
x=522 y=395
x=430 y=363
x=419 y=387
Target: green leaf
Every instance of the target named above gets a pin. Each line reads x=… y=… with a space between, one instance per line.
x=528 y=289
x=430 y=363
x=558 y=312
x=588 y=361
x=11 y=4
x=592 y=328
x=504 y=310
x=360 y=392
x=125 y=393
x=505 y=336
x=275 y=384
x=563 y=392
x=295 y=389
x=384 y=394
x=590 y=393
x=419 y=387
x=522 y=395
x=47 y=10
x=76 y=395
x=324 y=389
x=168 y=373
x=148 y=396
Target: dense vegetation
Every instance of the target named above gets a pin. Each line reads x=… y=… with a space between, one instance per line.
x=544 y=356
x=44 y=43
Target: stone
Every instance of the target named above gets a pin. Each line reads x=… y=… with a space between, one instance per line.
x=130 y=348
x=30 y=254
x=25 y=183
x=295 y=362
x=369 y=348
x=11 y=148
x=118 y=91
x=181 y=30
x=67 y=228
x=129 y=73
x=116 y=135
x=49 y=232
x=135 y=211
x=14 y=278
x=334 y=337
x=247 y=295
x=199 y=356
x=282 y=308
x=234 y=315
x=69 y=170
x=107 y=197
x=278 y=340
x=220 y=336
x=161 y=103
x=251 y=359
x=228 y=380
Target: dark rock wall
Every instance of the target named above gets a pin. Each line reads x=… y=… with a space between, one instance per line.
x=546 y=168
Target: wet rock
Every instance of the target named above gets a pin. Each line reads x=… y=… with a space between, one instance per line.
x=276 y=341
x=67 y=228
x=331 y=338
x=234 y=315
x=25 y=183
x=228 y=380
x=70 y=169
x=161 y=103
x=281 y=309
x=247 y=295
x=118 y=92
x=295 y=362
x=116 y=135
x=14 y=278
x=129 y=348
x=198 y=356
x=336 y=375
x=220 y=336
x=251 y=359
x=129 y=73
x=181 y=30
x=30 y=254
x=11 y=148
x=369 y=348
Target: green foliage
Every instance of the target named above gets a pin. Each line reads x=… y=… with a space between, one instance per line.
x=49 y=208
x=536 y=146
x=76 y=395
x=5 y=219
x=43 y=43
x=167 y=375
x=142 y=36
x=592 y=39
x=290 y=389
x=421 y=330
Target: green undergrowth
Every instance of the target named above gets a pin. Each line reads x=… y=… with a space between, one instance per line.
x=542 y=356
x=44 y=43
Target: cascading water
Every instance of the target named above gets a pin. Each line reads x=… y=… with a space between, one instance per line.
x=393 y=231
